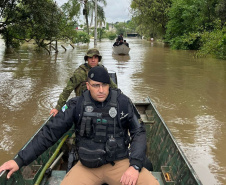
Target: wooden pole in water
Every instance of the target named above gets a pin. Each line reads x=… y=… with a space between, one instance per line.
x=64 y=47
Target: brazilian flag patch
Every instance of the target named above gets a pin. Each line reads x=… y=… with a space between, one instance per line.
x=65 y=107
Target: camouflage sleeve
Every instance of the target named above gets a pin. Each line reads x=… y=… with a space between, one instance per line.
x=113 y=85
x=73 y=82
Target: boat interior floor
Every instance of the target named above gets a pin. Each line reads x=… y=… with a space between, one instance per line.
x=58 y=175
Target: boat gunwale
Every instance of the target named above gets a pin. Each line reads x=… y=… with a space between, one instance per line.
x=191 y=169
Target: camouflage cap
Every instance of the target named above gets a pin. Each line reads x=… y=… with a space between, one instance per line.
x=93 y=52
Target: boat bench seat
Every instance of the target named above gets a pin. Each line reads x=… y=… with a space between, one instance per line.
x=57 y=177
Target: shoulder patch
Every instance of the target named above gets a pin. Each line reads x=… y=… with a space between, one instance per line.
x=65 y=107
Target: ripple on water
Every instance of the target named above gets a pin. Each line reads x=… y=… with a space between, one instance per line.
x=20 y=93
x=47 y=100
x=6 y=142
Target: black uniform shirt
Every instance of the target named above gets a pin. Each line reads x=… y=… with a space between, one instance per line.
x=63 y=121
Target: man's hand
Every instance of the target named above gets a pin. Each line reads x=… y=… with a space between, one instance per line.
x=130 y=176
x=11 y=166
x=54 y=112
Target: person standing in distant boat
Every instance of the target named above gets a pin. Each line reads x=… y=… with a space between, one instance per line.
x=120 y=37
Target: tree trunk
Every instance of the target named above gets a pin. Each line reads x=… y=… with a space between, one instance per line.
x=86 y=16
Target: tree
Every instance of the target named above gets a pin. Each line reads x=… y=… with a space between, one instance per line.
x=221 y=11
x=187 y=20
x=150 y=16
x=120 y=28
x=100 y=12
x=89 y=9
x=40 y=20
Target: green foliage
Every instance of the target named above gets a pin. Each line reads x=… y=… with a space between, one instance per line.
x=111 y=35
x=213 y=43
x=150 y=16
x=120 y=28
x=107 y=26
x=89 y=9
x=38 y=20
x=71 y=10
x=182 y=18
x=221 y=11
x=188 y=19
x=82 y=37
x=100 y=33
x=186 y=42
x=131 y=26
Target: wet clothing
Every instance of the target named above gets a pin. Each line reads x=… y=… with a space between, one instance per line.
x=105 y=174
x=77 y=83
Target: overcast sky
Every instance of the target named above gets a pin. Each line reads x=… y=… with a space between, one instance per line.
x=115 y=11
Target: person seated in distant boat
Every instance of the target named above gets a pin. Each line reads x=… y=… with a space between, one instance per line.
x=127 y=44
x=121 y=42
x=116 y=43
x=110 y=140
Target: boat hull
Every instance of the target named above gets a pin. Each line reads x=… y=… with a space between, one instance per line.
x=162 y=149
x=121 y=50
x=170 y=166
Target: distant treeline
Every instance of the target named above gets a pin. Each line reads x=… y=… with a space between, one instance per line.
x=43 y=22
x=184 y=24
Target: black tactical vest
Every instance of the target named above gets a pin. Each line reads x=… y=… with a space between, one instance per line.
x=100 y=137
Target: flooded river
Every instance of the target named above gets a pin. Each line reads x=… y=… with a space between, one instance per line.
x=189 y=94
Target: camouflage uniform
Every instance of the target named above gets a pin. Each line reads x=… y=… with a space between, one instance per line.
x=78 y=81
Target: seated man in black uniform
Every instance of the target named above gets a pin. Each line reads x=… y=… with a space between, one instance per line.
x=102 y=118
x=116 y=43
x=126 y=43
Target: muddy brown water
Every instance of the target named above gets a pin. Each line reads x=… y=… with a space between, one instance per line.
x=189 y=94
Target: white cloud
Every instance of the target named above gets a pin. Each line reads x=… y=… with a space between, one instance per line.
x=115 y=11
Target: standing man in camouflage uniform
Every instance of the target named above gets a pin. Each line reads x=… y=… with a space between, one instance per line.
x=78 y=80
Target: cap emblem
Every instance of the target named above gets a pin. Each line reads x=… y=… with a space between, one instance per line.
x=92 y=75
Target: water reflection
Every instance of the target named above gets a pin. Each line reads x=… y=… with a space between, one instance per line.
x=121 y=58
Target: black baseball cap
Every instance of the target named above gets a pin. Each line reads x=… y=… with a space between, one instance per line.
x=99 y=74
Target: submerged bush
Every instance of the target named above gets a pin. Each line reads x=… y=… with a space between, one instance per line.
x=82 y=37
x=186 y=42
x=111 y=35
x=214 y=44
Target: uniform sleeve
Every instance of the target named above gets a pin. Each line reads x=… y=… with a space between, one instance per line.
x=138 y=137
x=73 y=82
x=48 y=135
x=113 y=85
